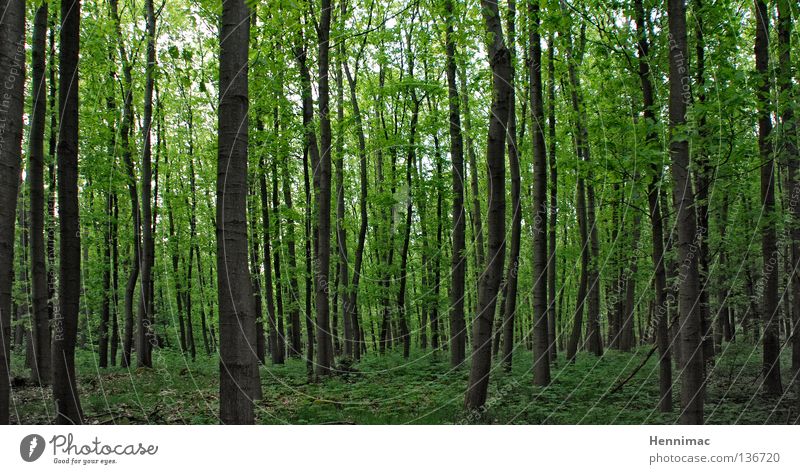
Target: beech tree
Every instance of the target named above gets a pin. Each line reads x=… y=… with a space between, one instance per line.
x=500 y=61
x=12 y=65
x=239 y=379
x=65 y=320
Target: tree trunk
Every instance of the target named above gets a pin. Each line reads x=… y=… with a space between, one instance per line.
x=458 y=329
x=40 y=371
x=125 y=133
x=551 y=247
x=769 y=248
x=692 y=383
x=65 y=321
x=12 y=64
x=322 y=186
x=541 y=353
x=239 y=379
x=500 y=62
x=144 y=327
x=661 y=317
x=790 y=151
x=362 y=230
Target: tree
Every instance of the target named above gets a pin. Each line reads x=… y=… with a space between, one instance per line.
x=65 y=321
x=41 y=371
x=239 y=379
x=458 y=336
x=769 y=248
x=789 y=146
x=322 y=186
x=125 y=134
x=541 y=354
x=144 y=328
x=692 y=381
x=656 y=219
x=12 y=65
x=500 y=62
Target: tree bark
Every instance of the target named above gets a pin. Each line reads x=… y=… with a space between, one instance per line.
x=692 y=382
x=144 y=329
x=322 y=186
x=12 y=64
x=541 y=353
x=40 y=371
x=239 y=379
x=789 y=145
x=458 y=336
x=65 y=321
x=499 y=60
x=769 y=248
x=660 y=323
x=551 y=246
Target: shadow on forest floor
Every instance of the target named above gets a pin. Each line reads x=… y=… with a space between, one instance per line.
x=423 y=390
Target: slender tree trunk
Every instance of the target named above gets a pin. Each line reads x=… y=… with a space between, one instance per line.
x=541 y=353
x=458 y=329
x=125 y=133
x=12 y=64
x=41 y=371
x=322 y=186
x=65 y=390
x=276 y=259
x=661 y=317
x=551 y=246
x=341 y=232
x=789 y=146
x=114 y=280
x=144 y=329
x=362 y=230
x=769 y=248
x=692 y=383
x=499 y=59
x=275 y=352
x=295 y=345
x=703 y=177
x=239 y=379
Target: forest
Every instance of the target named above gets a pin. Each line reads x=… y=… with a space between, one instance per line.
x=399 y=212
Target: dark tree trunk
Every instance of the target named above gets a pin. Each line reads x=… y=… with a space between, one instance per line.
x=458 y=329
x=239 y=379
x=692 y=383
x=769 y=248
x=275 y=354
x=584 y=210
x=322 y=187
x=125 y=133
x=512 y=273
x=12 y=64
x=276 y=259
x=144 y=327
x=362 y=229
x=341 y=232
x=114 y=280
x=65 y=390
x=789 y=146
x=660 y=323
x=703 y=177
x=295 y=345
x=40 y=371
x=551 y=247
x=541 y=354
x=500 y=62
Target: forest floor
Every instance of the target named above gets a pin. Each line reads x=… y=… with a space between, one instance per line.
x=422 y=390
